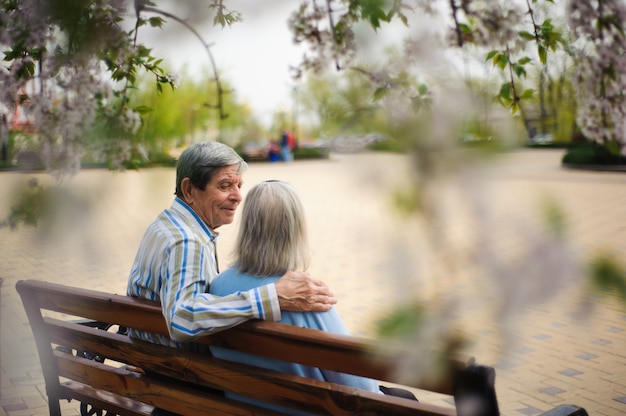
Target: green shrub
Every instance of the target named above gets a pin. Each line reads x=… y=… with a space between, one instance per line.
x=161 y=159
x=310 y=153
x=392 y=146
x=591 y=153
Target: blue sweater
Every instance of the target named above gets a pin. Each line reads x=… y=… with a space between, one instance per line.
x=231 y=281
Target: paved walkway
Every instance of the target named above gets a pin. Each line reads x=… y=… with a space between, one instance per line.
x=548 y=344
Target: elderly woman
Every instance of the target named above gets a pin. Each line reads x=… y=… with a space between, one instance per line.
x=272 y=239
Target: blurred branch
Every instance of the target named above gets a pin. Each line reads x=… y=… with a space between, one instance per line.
x=140 y=7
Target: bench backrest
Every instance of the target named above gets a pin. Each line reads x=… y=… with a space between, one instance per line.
x=183 y=382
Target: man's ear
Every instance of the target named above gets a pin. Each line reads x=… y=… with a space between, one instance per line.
x=187 y=190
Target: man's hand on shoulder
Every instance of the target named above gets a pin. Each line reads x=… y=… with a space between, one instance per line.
x=299 y=292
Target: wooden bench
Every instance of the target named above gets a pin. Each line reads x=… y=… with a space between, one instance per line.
x=141 y=378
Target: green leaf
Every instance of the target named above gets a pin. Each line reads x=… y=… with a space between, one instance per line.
x=222 y=19
x=145 y=3
x=465 y=29
x=402 y=18
x=380 y=93
x=547 y=26
x=502 y=61
x=156 y=21
x=372 y=11
x=543 y=54
x=143 y=109
x=491 y=54
x=525 y=60
x=528 y=94
x=527 y=35
x=11 y=55
x=519 y=70
x=506 y=91
x=26 y=71
x=143 y=51
x=551 y=38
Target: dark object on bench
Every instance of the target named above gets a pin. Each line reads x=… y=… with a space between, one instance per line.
x=566 y=410
x=475 y=391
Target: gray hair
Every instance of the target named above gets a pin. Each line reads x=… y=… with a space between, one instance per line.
x=200 y=161
x=272 y=236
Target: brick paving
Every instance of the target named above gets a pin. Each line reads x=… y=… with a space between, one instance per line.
x=374 y=258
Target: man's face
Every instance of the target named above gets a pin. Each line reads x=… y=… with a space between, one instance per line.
x=216 y=205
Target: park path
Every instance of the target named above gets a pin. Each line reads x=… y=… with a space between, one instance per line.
x=374 y=259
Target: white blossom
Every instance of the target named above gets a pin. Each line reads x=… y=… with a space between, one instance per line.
x=174 y=79
x=601 y=102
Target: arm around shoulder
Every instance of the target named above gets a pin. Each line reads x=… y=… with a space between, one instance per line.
x=206 y=313
x=299 y=292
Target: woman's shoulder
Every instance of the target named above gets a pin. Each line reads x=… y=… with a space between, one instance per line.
x=231 y=280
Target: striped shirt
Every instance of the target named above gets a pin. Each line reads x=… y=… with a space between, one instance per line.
x=174 y=265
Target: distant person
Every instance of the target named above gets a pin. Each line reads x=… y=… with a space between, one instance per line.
x=287 y=144
x=273 y=152
x=177 y=260
x=272 y=239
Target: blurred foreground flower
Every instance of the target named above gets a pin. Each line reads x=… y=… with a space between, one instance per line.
x=30 y=206
x=608 y=275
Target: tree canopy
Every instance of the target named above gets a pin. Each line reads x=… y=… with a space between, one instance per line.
x=70 y=67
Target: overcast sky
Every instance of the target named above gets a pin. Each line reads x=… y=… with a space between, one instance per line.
x=253 y=56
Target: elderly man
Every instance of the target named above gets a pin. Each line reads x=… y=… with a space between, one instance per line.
x=176 y=260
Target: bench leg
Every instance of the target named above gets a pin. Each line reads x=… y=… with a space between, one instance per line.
x=54 y=406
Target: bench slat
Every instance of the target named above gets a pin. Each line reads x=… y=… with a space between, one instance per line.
x=105 y=400
x=181 y=400
x=335 y=352
x=262 y=384
x=90 y=304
